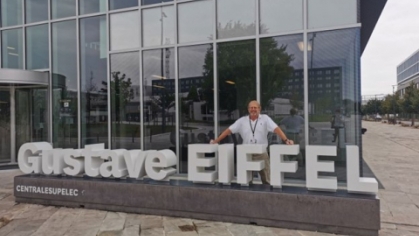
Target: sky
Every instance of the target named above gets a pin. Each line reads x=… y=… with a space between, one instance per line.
x=395 y=38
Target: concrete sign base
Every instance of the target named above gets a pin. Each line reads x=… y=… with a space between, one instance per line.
x=289 y=207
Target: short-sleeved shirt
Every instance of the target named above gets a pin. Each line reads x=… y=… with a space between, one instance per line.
x=262 y=126
x=293 y=123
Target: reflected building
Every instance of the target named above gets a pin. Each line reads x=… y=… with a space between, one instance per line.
x=163 y=74
x=408 y=72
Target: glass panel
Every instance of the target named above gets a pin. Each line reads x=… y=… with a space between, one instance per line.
x=196 y=21
x=94 y=94
x=327 y=13
x=12 y=49
x=36 y=10
x=39 y=115
x=64 y=83
x=196 y=81
x=23 y=105
x=159 y=99
x=5 y=147
x=148 y=2
x=158 y=26
x=63 y=8
x=236 y=82
x=334 y=92
x=92 y=6
x=125 y=101
x=11 y=12
x=118 y=4
x=37 y=48
x=238 y=22
x=125 y=30
x=280 y=16
x=282 y=90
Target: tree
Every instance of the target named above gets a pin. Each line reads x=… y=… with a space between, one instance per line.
x=237 y=72
x=373 y=106
x=121 y=93
x=390 y=104
x=410 y=101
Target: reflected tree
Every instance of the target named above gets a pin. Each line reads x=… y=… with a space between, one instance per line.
x=237 y=73
x=121 y=94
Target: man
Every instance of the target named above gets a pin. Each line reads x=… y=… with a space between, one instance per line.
x=337 y=123
x=254 y=129
x=293 y=125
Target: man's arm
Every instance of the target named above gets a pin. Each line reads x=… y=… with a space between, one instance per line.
x=284 y=138
x=224 y=134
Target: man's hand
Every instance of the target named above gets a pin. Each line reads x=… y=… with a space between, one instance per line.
x=289 y=142
x=212 y=141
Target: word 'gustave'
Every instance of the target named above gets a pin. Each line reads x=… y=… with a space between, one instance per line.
x=96 y=161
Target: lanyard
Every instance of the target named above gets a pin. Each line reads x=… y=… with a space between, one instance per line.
x=253 y=128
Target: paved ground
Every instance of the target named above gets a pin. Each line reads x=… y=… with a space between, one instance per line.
x=391 y=151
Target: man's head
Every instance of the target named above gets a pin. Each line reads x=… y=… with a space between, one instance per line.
x=293 y=112
x=254 y=109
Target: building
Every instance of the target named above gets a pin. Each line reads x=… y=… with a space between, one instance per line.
x=408 y=72
x=162 y=74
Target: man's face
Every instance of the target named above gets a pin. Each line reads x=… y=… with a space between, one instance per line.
x=254 y=109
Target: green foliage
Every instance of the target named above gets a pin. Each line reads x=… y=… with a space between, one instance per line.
x=121 y=93
x=373 y=106
x=237 y=73
x=390 y=104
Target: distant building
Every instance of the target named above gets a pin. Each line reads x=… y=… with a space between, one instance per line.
x=407 y=72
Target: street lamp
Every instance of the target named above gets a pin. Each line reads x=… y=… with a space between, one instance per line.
x=394 y=108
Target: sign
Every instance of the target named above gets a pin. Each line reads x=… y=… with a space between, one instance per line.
x=95 y=161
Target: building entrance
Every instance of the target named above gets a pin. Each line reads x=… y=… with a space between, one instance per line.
x=23 y=111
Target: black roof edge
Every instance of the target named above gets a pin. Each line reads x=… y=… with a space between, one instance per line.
x=370 y=13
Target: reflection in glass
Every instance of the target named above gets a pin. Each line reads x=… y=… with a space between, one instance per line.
x=124 y=30
x=196 y=21
x=36 y=10
x=94 y=91
x=31 y=116
x=37 y=48
x=280 y=16
x=159 y=26
x=64 y=84
x=334 y=91
x=238 y=22
x=125 y=100
x=236 y=82
x=282 y=90
x=148 y=2
x=118 y=4
x=328 y=13
x=159 y=99
x=5 y=147
x=63 y=8
x=12 y=49
x=92 y=6
x=196 y=83
x=11 y=12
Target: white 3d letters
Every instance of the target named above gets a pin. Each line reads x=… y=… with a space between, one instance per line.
x=225 y=163
x=245 y=164
x=92 y=159
x=315 y=182
x=355 y=183
x=279 y=166
x=158 y=164
x=96 y=161
x=197 y=163
x=28 y=159
x=134 y=160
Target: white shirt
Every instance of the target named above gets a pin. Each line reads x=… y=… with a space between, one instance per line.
x=261 y=126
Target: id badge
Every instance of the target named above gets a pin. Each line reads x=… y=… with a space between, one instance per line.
x=253 y=141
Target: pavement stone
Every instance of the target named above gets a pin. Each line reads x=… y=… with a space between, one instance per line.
x=391 y=151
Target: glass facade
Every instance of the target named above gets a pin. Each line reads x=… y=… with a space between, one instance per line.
x=161 y=74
